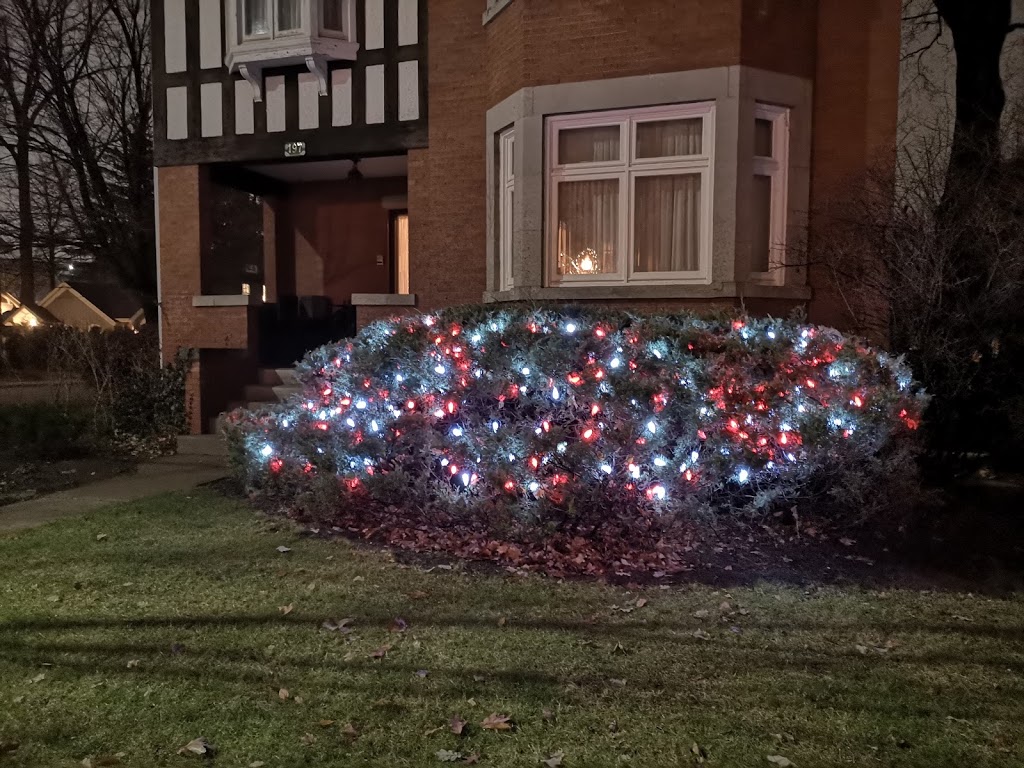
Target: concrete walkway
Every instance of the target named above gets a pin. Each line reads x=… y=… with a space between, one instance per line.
x=168 y=473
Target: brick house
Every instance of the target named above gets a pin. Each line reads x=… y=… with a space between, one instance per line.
x=401 y=155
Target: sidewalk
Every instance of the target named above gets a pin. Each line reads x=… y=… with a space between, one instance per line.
x=168 y=473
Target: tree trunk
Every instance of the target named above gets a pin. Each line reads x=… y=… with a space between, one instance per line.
x=26 y=225
x=979 y=31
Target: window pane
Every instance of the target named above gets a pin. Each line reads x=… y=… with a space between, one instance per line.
x=588 y=226
x=289 y=15
x=666 y=235
x=761 y=225
x=762 y=137
x=670 y=138
x=588 y=145
x=256 y=21
x=332 y=15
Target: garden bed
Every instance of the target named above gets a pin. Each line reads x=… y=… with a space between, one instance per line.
x=23 y=480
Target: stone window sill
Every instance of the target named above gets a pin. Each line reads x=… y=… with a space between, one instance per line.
x=494 y=8
x=653 y=292
x=231 y=300
x=384 y=299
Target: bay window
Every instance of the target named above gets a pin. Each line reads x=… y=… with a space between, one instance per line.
x=629 y=196
x=768 y=199
x=257 y=16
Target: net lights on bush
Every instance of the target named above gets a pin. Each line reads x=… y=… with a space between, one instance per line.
x=534 y=406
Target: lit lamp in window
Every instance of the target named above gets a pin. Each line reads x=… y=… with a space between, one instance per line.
x=583 y=263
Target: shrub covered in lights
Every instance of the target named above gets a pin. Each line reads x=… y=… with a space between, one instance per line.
x=571 y=420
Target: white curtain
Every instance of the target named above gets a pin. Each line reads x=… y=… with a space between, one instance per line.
x=588 y=145
x=289 y=15
x=761 y=225
x=588 y=226
x=256 y=20
x=669 y=138
x=667 y=223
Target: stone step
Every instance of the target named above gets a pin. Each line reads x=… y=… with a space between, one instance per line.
x=202 y=445
x=278 y=376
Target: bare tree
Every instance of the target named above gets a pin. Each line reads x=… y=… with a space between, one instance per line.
x=97 y=63
x=25 y=97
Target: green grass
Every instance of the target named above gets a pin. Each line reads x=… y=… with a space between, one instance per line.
x=824 y=677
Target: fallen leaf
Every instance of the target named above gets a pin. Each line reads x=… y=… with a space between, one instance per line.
x=457 y=725
x=417 y=594
x=133 y=663
x=38 y=678
x=381 y=652
x=554 y=760
x=700 y=755
x=502 y=621
x=496 y=722
x=700 y=634
x=620 y=683
x=198 y=746
x=100 y=536
x=297 y=699
x=286 y=609
x=308 y=739
x=422 y=673
x=257 y=764
x=703 y=613
x=284 y=694
x=448 y=756
x=472 y=759
x=398 y=625
x=725 y=607
x=641 y=602
x=548 y=715
x=847 y=542
x=779 y=760
x=283 y=549
x=350 y=732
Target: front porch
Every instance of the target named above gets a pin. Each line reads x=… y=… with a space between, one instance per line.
x=261 y=263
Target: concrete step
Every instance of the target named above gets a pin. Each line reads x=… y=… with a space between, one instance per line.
x=269 y=393
x=202 y=445
x=278 y=376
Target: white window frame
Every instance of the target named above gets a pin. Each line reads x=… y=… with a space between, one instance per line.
x=776 y=168
x=348 y=20
x=626 y=170
x=275 y=33
x=506 y=201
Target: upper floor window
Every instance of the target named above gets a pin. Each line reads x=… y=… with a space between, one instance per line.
x=268 y=18
x=768 y=203
x=629 y=196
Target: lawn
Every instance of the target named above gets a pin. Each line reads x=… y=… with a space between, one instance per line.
x=126 y=634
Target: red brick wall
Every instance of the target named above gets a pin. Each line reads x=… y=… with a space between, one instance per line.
x=183 y=193
x=447 y=182
x=540 y=42
x=340 y=227
x=856 y=92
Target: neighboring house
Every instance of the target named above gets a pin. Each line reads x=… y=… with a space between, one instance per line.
x=8 y=301
x=412 y=155
x=89 y=305
x=25 y=316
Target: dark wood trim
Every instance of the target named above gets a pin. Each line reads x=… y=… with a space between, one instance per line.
x=159 y=64
x=359 y=69
x=195 y=116
x=422 y=50
x=390 y=61
x=321 y=144
x=291 y=103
